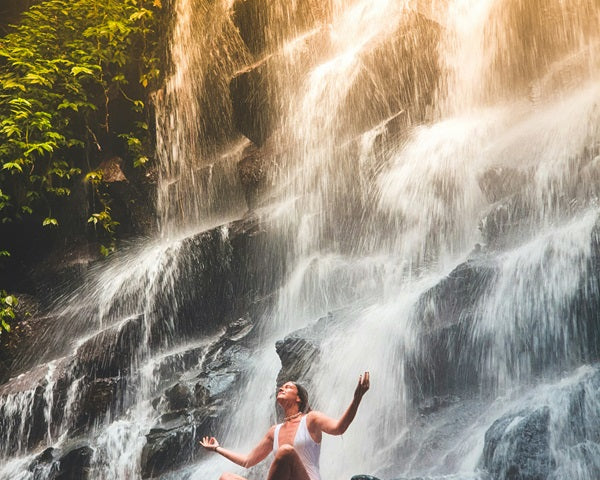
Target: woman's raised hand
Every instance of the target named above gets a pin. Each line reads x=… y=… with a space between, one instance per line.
x=210 y=443
x=363 y=385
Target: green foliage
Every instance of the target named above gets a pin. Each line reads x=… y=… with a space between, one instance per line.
x=61 y=71
x=7 y=313
x=109 y=226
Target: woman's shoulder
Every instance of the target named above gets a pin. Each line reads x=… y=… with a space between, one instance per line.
x=312 y=416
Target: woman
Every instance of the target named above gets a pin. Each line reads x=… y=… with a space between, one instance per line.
x=296 y=442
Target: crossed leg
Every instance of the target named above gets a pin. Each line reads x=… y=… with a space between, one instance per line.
x=286 y=466
x=230 y=476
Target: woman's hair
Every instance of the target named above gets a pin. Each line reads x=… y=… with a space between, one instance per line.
x=303 y=394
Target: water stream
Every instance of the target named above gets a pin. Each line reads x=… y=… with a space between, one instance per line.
x=411 y=138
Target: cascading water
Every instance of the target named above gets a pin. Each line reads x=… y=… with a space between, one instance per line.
x=434 y=186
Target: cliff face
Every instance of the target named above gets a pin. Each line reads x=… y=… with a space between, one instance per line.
x=341 y=187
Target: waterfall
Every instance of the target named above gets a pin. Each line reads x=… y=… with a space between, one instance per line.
x=425 y=204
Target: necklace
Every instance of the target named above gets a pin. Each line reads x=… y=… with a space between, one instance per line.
x=292 y=416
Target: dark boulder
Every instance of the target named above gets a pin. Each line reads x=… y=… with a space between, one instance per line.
x=534 y=23
x=131 y=196
x=441 y=366
x=301 y=349
x=178 y=397
x=75 y=464
x=388 y=86
x=45 y=465
x=23 y=402
x=517 y=446
x=297 y=355
x=254 y=107
x=168 y=449
x=254 y=169
x=265 y=25
x=259 y=92
x=497 y=183
x=195 y=403
x=110 y=352
x=98 y=398
x=24 y=331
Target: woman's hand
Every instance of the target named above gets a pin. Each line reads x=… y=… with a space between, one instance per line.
x=362 y=387
x=210 y=443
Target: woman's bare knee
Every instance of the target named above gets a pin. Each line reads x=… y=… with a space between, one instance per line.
x=285 y=451
x=230 y=476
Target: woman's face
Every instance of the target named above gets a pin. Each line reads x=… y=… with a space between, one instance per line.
x=287 y=392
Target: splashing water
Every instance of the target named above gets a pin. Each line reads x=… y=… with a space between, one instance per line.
x=412 y=139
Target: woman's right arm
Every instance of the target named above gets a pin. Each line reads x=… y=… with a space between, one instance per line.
x=257 y=455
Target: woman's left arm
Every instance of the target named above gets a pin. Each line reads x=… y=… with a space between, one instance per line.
x=332 y=426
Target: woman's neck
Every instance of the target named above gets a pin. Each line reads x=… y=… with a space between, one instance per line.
x=291 y=414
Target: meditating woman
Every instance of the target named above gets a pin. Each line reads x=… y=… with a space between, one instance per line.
x=296 y=443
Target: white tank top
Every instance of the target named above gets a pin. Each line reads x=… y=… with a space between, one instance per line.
x=308 y=450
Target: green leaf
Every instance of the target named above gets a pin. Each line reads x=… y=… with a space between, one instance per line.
x=34 y=79
x=6 y=326
x=10 y=83
x=140 y=14
x=4 y=253
x=10 y=129
x=141 y=160
x=77 y=70
x=12 y=166
x=50 y=221
x=94 y=176
x=138 y=105
x=70 y=105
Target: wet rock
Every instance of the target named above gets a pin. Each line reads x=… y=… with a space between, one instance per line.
x=110 y=352
x=297 y=355
x=225 y=364
x=500 y=182
x=112 y=171
x=434 y=404
x=254 y=107
x=22 y=410
x=445 y=477
x=201 y=394
x=22 y=335
x=300 y=350
x=167 y=449
x=255 y=245
x=99 y=397
x=193 y=405
x=517 y=446
x=250 y=17
x=254 y=170
x=259 y=91
x=45 y=465
x=75 y=464
x=131 y=194
x=178 y=397
x=388 y=86
x=176 y=444
x=46 y=456
x=266 y=25
x=177 y=362
x=439 y=366
x=536 y=23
